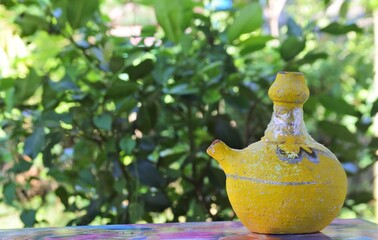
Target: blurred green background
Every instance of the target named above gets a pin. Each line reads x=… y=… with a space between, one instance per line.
x=107 y=106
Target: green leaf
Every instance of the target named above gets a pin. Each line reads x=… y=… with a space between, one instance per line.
x=212 y=69
x=9 y=192
x=374 y=108
x=52 y=139
x=46 y=47
x=293 y=29
x=80 y=12
x=28 y=217
x=326 y=3
x=30 y=23
x=125 y=105
x=247 y=20
x=63 y=195
x=139 y=170
x=156 y=201
x=64 y=84
x=50 y=98
x=86 y=177
x=220 y=127
x=254 y=43
x=337 y=131
x=196 y=211
x=141 y=70
x=163 y=69
x=337 y=105
x=34 y=143
x=344 y=8
x=116 y=64
x=148 y=31
x=147 y=116
x=84 y=153
x=181 y=89
x=212 y=95
x=104 y=121
x=311 y=57
x=51 y=119
x=127 y=145
x=291 y=47
x=136 y=211
x=6 y=83
x=217 y=177
x=340 y=29
x=121 y=89
x=173 y=16
x=361 y=196
x=25 y=88
x=22 y=166
x=166 y=160
x=9 y=99
x=145 y=2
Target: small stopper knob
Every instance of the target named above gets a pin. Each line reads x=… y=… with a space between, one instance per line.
x=289 y=88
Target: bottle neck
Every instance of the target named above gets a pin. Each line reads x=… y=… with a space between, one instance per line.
x=287 y=122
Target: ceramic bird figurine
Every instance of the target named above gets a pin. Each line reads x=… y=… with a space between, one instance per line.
x=286 y=183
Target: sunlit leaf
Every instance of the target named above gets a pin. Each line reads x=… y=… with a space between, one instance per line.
x=173 y=16
x=6 y=83
x=25 y=88
x=181 y=89
x=80 y=12
x=247 y=20
x=254 y=43
x=30 y=23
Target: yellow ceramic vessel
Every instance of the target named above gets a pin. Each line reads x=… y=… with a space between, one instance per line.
x=287 y=183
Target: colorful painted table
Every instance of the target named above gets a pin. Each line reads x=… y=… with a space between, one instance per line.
x=350 y=229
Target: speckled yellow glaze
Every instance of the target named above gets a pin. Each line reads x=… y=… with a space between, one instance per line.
x=287 y=183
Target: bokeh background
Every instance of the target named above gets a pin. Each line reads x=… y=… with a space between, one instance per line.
x=107 y=106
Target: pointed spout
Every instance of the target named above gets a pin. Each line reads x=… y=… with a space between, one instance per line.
x=221 y=153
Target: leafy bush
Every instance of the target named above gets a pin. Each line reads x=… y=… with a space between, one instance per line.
x=116 y=131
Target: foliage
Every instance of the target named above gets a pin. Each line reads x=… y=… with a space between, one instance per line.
x=116 y=132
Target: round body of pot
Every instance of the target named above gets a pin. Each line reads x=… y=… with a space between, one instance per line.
x=271 y=195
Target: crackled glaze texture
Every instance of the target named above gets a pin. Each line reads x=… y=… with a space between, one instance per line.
x=287 y=182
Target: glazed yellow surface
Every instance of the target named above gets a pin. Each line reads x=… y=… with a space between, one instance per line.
x=272 y=196
x=287 y=183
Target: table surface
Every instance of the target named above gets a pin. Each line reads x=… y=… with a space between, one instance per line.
x=351 y=229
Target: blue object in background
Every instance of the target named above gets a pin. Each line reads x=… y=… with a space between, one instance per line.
x=220 y=5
